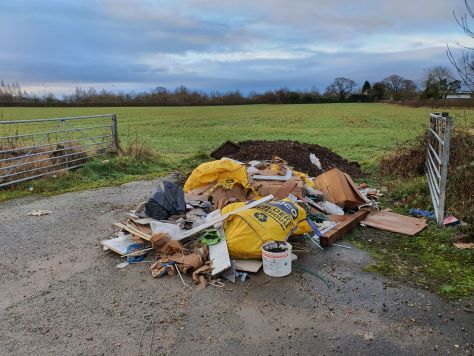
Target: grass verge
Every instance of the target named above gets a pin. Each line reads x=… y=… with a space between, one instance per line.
x=106 y=172
x=138 y=160
x=96 y=173
x=427 y=260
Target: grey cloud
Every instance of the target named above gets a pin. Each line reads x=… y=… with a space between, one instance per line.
x=106 y=41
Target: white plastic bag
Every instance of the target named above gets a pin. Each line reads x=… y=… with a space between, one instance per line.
x=330 y=208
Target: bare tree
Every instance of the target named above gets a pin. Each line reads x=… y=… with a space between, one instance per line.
x=464 y=64
x=341 y=87
x=439 y=81
x=399 y=88
x=409 y=89
x=394 y=85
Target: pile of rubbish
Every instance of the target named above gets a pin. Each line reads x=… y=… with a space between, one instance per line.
x=231 y=218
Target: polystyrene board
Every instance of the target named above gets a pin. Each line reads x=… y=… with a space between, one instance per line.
x=119 y=244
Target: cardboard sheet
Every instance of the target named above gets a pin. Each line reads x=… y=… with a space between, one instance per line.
x=294 y=186
x=338 y=188
x=388 y=221
x=247 y=265
x=221 y=197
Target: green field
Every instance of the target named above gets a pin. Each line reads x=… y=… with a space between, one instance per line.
x=361 y=132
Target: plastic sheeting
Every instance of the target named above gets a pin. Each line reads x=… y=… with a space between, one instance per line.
x=168 y=200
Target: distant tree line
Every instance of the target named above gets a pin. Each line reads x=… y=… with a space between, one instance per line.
x=438 y=82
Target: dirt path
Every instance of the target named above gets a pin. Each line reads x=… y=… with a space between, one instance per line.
x=62 y=295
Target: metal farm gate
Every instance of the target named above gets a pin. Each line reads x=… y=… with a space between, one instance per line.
x=35 y=148
x=437 y=159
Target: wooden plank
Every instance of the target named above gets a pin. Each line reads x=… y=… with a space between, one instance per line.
x=134 y=231
x=144 y=221
x=343 y=227
x=219 y=255
x=217 y=220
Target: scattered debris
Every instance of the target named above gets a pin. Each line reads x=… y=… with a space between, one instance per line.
x=39 y=212
x=315 y=160
x=422 y=213
x=122 y=265
x=464 y=245
x=451 y=221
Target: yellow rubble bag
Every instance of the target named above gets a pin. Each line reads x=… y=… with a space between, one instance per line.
x=248 y=230
x=215 y=171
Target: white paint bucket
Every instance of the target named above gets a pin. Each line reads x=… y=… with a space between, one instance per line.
x=276 y=257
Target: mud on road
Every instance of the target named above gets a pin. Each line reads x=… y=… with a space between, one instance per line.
x=62 y=295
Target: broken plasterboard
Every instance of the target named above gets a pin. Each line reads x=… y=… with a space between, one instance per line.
x=119 y=244
x=219 y=254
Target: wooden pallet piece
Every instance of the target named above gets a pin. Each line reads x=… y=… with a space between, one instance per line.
x=345 y=224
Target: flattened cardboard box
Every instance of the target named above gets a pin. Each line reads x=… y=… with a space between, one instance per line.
x=338 y=188
x=264 y=187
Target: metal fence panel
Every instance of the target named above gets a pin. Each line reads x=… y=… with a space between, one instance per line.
x=36 y=148
x=437 y=159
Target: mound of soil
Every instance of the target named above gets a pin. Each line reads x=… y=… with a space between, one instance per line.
x=297 y=156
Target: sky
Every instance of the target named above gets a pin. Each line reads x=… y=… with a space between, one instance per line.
x=210 y=45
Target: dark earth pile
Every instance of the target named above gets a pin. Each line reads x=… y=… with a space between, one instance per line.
x=297 y=156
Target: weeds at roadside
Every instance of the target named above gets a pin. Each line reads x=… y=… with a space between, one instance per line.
x=140 y=150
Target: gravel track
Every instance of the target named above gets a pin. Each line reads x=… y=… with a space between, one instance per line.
x=62 y=295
